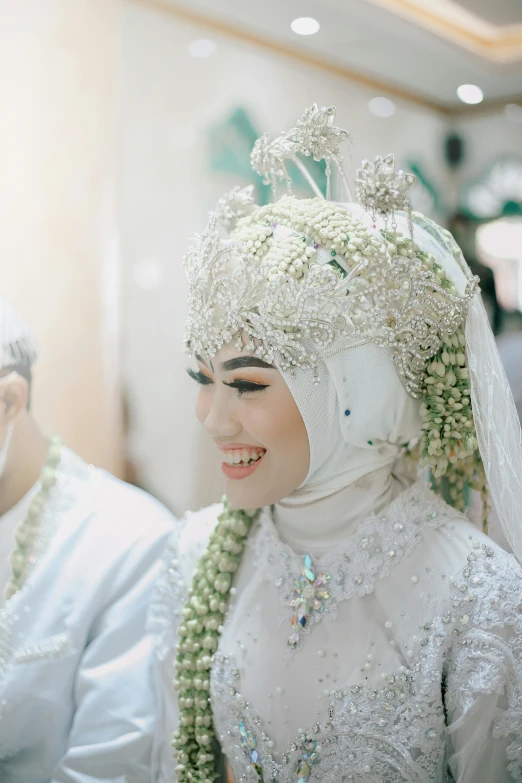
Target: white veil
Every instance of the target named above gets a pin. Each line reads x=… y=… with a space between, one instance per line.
x=497 y=425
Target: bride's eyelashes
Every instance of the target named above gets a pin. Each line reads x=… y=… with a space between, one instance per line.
x=241 y=386
x=246 y=386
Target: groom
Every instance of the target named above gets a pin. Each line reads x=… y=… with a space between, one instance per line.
x=79 y=556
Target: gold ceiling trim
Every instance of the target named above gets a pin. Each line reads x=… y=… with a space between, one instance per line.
x=499 y=43
x=310 y=59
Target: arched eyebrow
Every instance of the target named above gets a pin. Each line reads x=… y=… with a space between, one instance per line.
x=240 y=362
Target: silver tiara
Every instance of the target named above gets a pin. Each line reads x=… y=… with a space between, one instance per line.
x=301 y=278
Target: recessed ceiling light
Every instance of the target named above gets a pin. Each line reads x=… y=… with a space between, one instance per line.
x=513 y=112
x=381 y=107
x=470 y=93
x=202 y=48
x=305 y=25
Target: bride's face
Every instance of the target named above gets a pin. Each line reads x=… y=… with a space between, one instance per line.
x=246 y=407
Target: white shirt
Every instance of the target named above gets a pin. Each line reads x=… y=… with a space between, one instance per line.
x=411 y=666
x=79 y=698
x=8 y=524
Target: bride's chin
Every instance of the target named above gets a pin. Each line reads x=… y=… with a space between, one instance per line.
x=241 y=497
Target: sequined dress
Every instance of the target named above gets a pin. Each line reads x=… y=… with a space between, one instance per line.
x=396 y=657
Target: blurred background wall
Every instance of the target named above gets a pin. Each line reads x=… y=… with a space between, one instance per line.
x=128 y=119
x=59 y=141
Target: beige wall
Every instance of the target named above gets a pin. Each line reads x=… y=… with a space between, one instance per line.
x=58 y=235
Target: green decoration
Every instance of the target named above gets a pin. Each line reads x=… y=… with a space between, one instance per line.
x=423 y=182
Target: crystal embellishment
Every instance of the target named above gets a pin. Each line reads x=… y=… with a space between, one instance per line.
x=316 y=135
x=309 y=758
x=308 y=601
x=381 y=188
x=249 y=743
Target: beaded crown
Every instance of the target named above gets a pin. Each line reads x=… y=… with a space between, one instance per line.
x=301 y=278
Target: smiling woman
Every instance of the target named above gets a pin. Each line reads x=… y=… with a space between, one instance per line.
x=247 y=408
x=335 y=619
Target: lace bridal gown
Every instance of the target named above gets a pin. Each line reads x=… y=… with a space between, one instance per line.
x=408 y=665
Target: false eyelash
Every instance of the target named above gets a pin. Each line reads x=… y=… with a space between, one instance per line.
x=200 y=377
x=245 y=386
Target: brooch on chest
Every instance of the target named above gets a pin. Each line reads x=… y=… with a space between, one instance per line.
x=308 y=601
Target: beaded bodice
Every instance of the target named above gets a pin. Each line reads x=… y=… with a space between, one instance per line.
x=405 y=627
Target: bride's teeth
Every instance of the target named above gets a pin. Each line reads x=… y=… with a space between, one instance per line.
x=241 y=457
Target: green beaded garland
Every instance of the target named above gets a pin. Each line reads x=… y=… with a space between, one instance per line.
x=198 y=641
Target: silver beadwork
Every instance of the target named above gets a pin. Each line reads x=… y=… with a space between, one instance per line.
x=237 y=203
x=275 y=298
x=381 y=188
x=315 y=134
x=268 y=159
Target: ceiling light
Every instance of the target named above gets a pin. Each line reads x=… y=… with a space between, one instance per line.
x=305 y=25
x=513 y=112
x=470 y=93
x=202 y=48
x=381 y=107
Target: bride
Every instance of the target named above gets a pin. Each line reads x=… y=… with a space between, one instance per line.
x=334 y=619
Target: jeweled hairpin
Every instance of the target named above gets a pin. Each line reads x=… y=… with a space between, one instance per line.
x=382 y=188
x=314 y=135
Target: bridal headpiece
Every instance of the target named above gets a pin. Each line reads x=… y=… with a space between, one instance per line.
x=300 y=279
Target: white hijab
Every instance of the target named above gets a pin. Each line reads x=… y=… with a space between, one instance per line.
x=357 y=418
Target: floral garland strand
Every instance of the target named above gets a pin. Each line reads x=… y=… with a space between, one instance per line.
x=448 y=444
x=199 y=633
x=27 y=532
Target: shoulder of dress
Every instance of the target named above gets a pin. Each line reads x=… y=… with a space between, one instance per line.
x=186 y=544
x=194 y=532
x=442 y=562
x=451 y=546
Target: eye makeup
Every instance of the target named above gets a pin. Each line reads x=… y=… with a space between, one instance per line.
x=242 y=386
x=200 y=377
x=246 y=386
